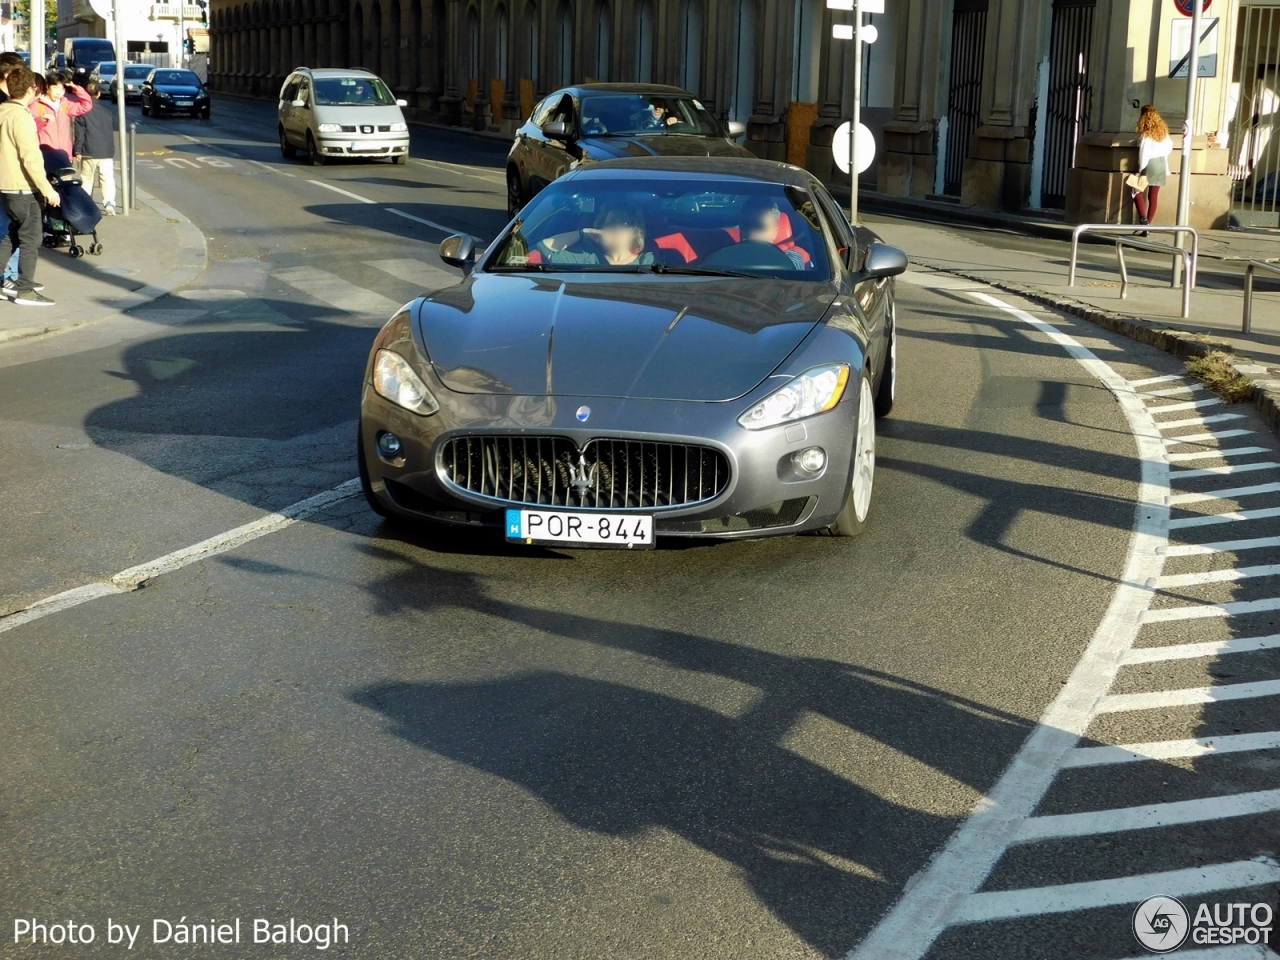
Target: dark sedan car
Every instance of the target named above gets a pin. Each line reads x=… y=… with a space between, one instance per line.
x=608 y=121
x=662 y=347
x=167 y=92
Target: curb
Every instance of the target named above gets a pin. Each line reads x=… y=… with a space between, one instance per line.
x=192 y=248
x=1265 y=380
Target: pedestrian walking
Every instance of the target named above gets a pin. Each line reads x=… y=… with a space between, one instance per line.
x=95 y=147
x=8 y=63
x=1154 y=147
x=54 y=110
x=22 y=186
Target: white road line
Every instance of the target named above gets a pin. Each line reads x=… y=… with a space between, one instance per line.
x=1200 y=549
x=1148 y=817
x=1188 y=405
x=1175 y=475
x=1213 y=519
x=333 y=290
x=1174 y=391
x=1215 y=576
x=1170 y=749
x=270 y=169
x=1188 y=696
x=1231 y=494
x=345 y=193
x=1206 y=437
x=496 y=178
x=1210 y=610
x=959 y=869
x=1209 y=454
x=1152 y=381
x=1069 y=897
x=1192 y=651
x=418 y=272
x=1198 y=421
x=431 y=223
x=133 y=577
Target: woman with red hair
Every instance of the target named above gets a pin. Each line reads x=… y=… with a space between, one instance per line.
x=1154 y=147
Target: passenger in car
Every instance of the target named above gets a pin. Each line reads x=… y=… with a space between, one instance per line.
x=618 y=232
x=758 y=222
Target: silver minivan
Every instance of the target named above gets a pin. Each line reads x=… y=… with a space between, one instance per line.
x=341 y=113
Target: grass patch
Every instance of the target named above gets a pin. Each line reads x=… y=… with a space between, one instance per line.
x=1216 y=372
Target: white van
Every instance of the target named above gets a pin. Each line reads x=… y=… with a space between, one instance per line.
x=341 y=113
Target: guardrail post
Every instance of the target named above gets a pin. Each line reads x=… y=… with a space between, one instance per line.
x=1247 y=325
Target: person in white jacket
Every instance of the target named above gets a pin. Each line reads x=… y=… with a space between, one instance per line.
x=1154 y=147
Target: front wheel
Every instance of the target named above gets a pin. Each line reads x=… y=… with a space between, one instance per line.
x=515 y=196
x=313 y=152
x=398 y=159
x=287 y=149
x=146 y=110
x=852 y=519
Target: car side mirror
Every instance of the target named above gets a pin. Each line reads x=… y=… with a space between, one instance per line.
x=298 y=103
x=402 y=103
x=557 y=130
x=459 y=251
x=737 y=129
x=884 y=261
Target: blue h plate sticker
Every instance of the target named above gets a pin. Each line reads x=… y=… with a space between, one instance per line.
x=513 y=525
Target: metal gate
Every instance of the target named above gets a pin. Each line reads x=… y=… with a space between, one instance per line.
x=964 y=104
x=1253 y=137
x=1070 y=94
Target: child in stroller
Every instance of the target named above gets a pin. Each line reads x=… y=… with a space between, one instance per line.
x=77 y=216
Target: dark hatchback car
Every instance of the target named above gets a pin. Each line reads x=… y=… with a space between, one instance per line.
x=658 y=347
x=609 y=121
x=167 y=92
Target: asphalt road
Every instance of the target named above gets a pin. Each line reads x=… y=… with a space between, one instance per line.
x=463 y=749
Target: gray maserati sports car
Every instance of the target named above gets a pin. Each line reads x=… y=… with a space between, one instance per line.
x=656 y=347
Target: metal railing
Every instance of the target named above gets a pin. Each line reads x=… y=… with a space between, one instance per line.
x=1130 y=229
x=1188 y=270
x=1250 y=269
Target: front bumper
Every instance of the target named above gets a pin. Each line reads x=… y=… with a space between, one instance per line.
x=767 y=494
x=362 y=145
x=170 y=106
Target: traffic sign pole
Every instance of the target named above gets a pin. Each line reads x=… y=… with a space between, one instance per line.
x=857 y=112
x=1189 y=124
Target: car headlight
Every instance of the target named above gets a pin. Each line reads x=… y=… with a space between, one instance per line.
x=814 y=391
x=399 y=128
x=394 y=379
x=162 y=95
x=330 y=128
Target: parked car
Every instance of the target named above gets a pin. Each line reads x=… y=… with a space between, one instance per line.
x=135 y=75
x=723 y=343
x=604 y=121
x=341 y=113
x=167 y=91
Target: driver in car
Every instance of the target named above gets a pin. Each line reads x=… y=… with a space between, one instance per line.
x=619 y=234
x=758 y=222
x=657 y=116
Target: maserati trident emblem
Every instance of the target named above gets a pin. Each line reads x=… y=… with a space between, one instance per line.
x=582 y=476
x=584 y=413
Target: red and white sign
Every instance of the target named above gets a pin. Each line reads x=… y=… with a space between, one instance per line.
x=1188 y=7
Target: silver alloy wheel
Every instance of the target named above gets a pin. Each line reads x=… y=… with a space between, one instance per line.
x=864 y=453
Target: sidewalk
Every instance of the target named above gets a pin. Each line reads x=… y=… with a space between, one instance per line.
x=147 y=254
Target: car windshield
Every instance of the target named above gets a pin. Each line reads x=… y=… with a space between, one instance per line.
x=626 y=114
x=721 y=226
x=178 y=77
x=352 y=92
x=107 y=68
x=140 y=72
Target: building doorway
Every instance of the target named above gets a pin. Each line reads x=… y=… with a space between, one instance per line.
x=964 y=98
x=1070 y=103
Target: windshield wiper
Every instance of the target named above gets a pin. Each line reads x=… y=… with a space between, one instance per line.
x=684 y=271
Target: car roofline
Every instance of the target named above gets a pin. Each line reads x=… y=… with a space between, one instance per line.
x=672 y=168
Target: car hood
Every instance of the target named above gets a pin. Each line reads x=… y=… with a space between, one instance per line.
x=648 y=337
x=359 y=114
x=664 y=145
x=174 y=89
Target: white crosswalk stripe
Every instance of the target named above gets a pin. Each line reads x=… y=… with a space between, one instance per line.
x=1233 y=494
x=1227 y=471
x=337 y=292
x=1147 y=817
x=1174 y=391
x=1192 y=651
x=1187 y=405
x=1209 y=454
x=1207 y=437
x=1211 y=611
x=1189 y=696
x=1199 y=421
x=1216 y=576
x=1170 y=749
x=1235 y=516
x=1225 y=546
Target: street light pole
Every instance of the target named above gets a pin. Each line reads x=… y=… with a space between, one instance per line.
x=857 y=112
x=182 y=33
x=36 y=30
x=1189 y=125
x=126 y=161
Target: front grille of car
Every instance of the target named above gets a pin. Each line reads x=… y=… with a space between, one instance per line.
x=384 y=128
x=605 y=474
x=348 y=129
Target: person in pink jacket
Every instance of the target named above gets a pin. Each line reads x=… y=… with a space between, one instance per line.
x=54 y=112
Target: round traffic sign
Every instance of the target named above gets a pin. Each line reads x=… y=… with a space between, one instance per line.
x=866 y=147
x=1188 y=7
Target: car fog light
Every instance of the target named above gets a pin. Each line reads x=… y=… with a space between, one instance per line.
x=389 y=445
x=811 y=459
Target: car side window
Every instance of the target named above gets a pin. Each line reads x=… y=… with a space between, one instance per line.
x=846 y=242
x=304 y=91
x=565 y=110
x=541 y=113
x=290 y=91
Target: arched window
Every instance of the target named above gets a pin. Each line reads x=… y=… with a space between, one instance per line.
x=692 y=40
x=808 y=51
x=473 y=45
x=644 y=42
x=744 y=72
x=533 y=48
x=502 y=49
x=564 y=46
x=604 y=34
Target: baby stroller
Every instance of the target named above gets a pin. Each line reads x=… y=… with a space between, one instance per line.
x=77 y=216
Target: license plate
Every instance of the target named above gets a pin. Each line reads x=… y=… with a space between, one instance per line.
x=580 y=529
x=183 y=103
